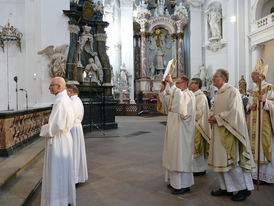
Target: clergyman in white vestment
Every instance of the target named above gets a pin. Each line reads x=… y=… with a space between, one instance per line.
x=267 y=124
x=179 y=103
x=202 y=128
x=230 y=153
x=79 y=149
x=58 y=184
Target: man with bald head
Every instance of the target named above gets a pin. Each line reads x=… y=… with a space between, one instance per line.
x=58 y=184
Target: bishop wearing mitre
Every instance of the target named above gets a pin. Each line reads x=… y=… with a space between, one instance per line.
x=267 y=123
x=179 y=104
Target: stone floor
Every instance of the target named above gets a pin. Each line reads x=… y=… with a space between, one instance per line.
x=125 y=169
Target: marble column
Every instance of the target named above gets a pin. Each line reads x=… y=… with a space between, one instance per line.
x=143 y=68
x=180 y=69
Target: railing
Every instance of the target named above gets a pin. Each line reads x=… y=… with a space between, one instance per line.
x=19 y=127
x=265 y=22
x=134 y=109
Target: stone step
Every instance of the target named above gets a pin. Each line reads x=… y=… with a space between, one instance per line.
x=13 y=166
x=18 y=190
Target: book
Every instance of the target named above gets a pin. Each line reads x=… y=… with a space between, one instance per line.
x=169 y=68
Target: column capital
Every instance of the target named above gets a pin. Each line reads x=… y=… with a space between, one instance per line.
x=195 y=3
x=126 y=3
x=100 y=37
x=73 y=28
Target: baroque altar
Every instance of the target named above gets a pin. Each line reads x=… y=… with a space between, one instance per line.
x=88 y=64
x=159 y=32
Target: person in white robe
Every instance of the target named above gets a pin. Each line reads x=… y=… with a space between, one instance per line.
x=230 y=153
x=179 y=104
x=58 y=183
x=79 y=149
x=202 y=128
x=267 y=124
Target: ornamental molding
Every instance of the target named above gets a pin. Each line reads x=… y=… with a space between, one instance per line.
x=74 y=29
x=100 y=37
x=195 y=3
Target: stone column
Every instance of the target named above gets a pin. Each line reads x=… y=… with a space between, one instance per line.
x=180 y=69
x=126 y=10
x=143 y=68
x=196 y=53
x=71 y=73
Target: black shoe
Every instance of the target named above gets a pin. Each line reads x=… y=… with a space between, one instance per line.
x=221 y=192
x=199 y=173
x=170 y=187
x=180 y=191
x=241 y=195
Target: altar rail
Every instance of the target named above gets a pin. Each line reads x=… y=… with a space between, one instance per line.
x=135 y=109
x=19 y=128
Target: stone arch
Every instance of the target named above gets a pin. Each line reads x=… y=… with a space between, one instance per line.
x=257 y=8
x=162 y=22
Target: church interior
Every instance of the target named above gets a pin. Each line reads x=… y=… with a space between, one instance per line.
x=116 y=52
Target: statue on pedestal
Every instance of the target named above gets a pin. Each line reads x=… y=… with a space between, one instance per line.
x=97 y=72
x=159 y=60
x=214 y=19
x=204 y=76
x=86 y=37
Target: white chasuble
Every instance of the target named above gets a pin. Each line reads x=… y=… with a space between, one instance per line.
x=178 y=143
x=267 y=131
x=202 y=133
x=79 y=149
x=229 y=144
x=58 y=183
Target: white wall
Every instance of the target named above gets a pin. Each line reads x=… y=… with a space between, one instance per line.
x=268 y=57
x=12 y=60
x=42 y=23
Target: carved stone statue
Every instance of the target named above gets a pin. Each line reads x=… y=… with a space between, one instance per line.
x=100 y=7
x=57 y=65
x=242 y=84
x=159 y=60
x=214 y=18
x=152 y=71
x=97 y=73
x=180 y=10
x=74 y=1
x=142 y=11
x=160 y=10
x=124 y=77
x=86 y=37
x=204 y=76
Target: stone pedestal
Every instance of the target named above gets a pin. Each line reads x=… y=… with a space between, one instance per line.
x=99 y=107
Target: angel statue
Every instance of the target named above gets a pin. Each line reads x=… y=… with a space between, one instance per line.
x=57 y=65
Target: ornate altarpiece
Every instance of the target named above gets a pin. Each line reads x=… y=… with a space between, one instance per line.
x=88 y=64
x=159 y=33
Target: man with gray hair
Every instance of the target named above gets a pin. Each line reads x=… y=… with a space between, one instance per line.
x=79 y=150
x=230 y=153
x=58 y=183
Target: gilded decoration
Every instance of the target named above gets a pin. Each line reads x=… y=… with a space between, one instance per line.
x=88 y=10
x=10 y=33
